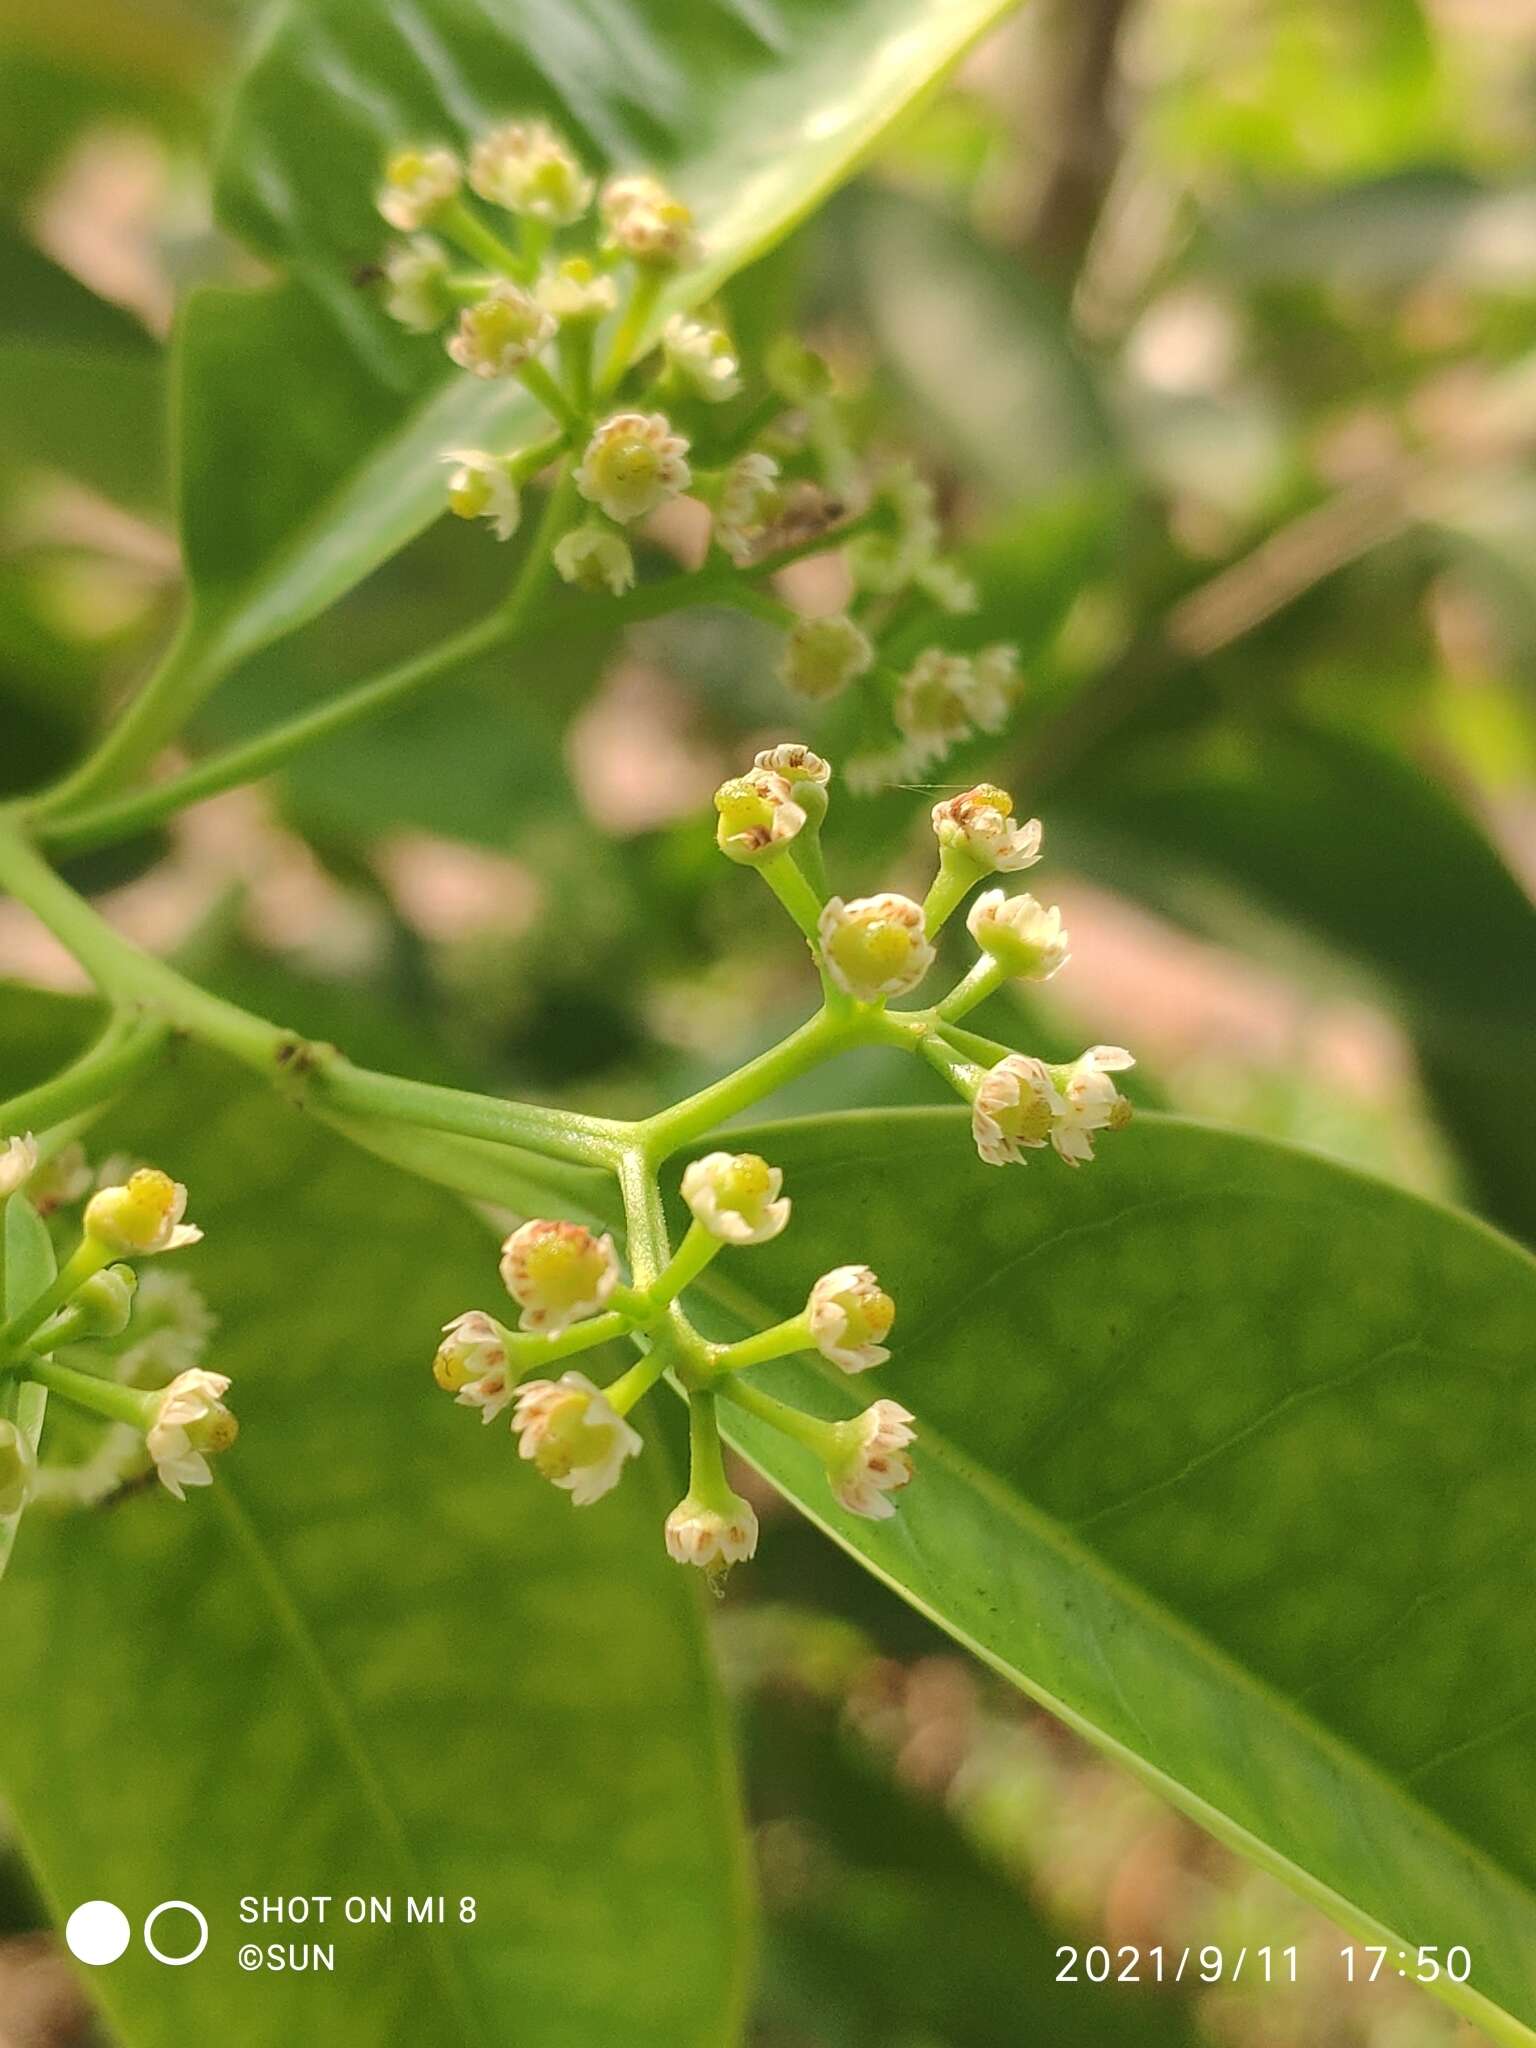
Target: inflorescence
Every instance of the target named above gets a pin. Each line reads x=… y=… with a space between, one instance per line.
x=563 y=307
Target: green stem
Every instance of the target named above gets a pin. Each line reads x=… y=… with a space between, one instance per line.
x=124 y=1048
x=988 y=1050
x=87 y=1390
x=460 y=224
x=633 y=322
x=537 y=380
x=74 y=831
x=84 y=1263
x=963 y=1075
x=562 y=1133
x=528 y=1354
x=818 y=1039
x=958 y=875
x=707 y=1483
x=985 y=978
x=818 y=544
x=778 y=1342
x=188 y=671
x=645 y=1219
x=686 y=1264
x=786 y=879
x=820 y=1438
x=632 y=1386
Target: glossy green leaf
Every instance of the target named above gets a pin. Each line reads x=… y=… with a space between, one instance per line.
x=1225 y=1460
x=29 y=1266
x=377 y=1658
x=755 y=112
x=1332 y=831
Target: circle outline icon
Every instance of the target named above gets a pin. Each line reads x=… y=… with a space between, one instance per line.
x=97 y=1933
x=175 y=1906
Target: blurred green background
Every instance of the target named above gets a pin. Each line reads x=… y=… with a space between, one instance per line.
x=1215 y=321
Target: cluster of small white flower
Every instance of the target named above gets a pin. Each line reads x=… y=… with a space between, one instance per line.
x=92 y=1304
x=776 y=470
x=572 y=1297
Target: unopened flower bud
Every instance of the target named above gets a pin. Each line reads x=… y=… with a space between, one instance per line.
x=18 y=1466
x=871 y=1461
x=937 y=700
x=575 y=291
x=473 y=1345
x=104 y=1305
x=417 y=183
x=796 y=763
x=497 y=334
x=633 y=463
x=649 y=224
x=143 y=1216
x=735 y=1196
x=749 y=502
x=481 y=487
x=713 y=1538
x=702 y=357
x=874 y=946
x=190 y=1425
x=758 y=817
x=981 y=823
x=529 y=169
x=948 y=585
x=417 y=275
x=557 y=1273
x=595 y=558
x=823 y=656
x=18 y=1162
x=850 y=1316
x=573 y=1437
x=1020 y=934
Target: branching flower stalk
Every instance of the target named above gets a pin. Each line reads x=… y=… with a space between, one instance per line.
x=647 y=404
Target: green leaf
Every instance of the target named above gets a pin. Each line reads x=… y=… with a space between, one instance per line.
x=379 y=1657
x=1223 y=1458
x=29 y=1266
x=755 y=114
x=1334 y=832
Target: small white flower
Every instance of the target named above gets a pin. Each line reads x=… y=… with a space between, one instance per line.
x=18 y=1469
x=981 y=823
x=190 y=1422
x=948 y=585
x=749 y=502
x=417 y=182
x=595 y=558
x=18 y=1163
x=823 y=656
x=735 y=1196
x=758 y=816
x=1090 y=1101
x=995 y=685
x=1019 y=932
x=712 y=1538
x=572 y=1435
x=795 y=763
x=702 y=357
x=632 y=464
x=874 y=946
x=888 y=558
x=850 y=1315
x=557 y=1273
x=574 y=290
x=490 y=1393
x=1014 y=1108
x=529 y=169
x=648 y=223
x=172 y=1328
x=481 y=487
x=871 y=1461
x=936 y=701
x=497 y=334
x=417 y=275
x=473 y=1345
x=144 y=1216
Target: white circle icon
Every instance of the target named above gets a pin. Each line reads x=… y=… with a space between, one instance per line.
x=97 y=1932
x=159 y=1954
